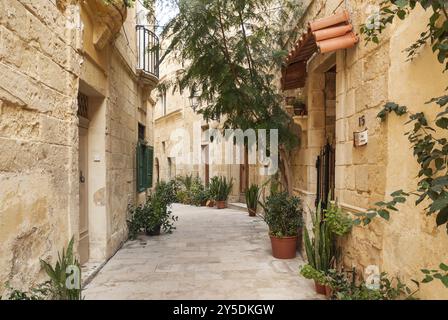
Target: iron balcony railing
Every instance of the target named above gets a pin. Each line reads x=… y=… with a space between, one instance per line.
x=148 y=51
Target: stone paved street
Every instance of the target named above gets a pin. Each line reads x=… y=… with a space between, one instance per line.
x=213 y=254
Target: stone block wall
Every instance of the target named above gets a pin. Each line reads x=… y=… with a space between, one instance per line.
x=38 y=135
x=367 y=77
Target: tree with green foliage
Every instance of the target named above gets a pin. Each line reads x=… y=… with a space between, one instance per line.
x=232 y=52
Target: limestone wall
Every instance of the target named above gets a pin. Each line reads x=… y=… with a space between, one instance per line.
x=38 y=134
x=50 y=51
x=367 y=77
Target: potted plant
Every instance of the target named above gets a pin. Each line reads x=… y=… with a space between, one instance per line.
x=319 y=248
x=252 y=195
x=320 y=279
x=222 y=192
x=283 y=214
x=155 y=213
x=199 y=194
x=212 y=191
x=299 y=107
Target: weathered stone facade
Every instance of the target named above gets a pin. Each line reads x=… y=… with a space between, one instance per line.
x=50 y=52
x=367 y=76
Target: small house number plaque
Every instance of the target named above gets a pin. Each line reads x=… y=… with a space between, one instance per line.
x=360 y=138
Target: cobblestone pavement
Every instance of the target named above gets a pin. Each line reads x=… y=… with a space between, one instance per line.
x=213 y=254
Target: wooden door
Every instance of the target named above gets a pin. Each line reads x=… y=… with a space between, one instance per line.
x=83 y=196
x=244 y=173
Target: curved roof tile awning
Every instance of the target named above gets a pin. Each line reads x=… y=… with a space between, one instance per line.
x=324 y=35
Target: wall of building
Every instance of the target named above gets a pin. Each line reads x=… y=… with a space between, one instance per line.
x=367 y=77
x=38 y=134
x=50 y=52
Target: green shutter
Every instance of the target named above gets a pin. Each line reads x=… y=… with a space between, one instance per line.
x=150 y=164
x=145 y=156
x=140 y=166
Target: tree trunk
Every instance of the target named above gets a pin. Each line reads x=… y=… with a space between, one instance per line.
x=285 y=169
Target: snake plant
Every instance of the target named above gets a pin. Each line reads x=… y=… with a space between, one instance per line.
x=319 y=248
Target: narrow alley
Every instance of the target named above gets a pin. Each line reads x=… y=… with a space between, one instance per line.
x=213 y=254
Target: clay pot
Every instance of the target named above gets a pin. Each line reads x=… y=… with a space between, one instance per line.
x=328 y=292
x=333 y=32
x=252 y=212
x=154 y=232
x=344 y=42
x=203 y=203
x=210 y=203
x=320 y=289
x=284 y=248
x=332 y=20
x=221 y=204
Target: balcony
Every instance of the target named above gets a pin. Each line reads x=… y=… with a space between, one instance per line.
x=148 y=56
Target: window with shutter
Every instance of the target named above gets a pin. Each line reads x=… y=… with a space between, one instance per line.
x=150 y=163
x=140 y=167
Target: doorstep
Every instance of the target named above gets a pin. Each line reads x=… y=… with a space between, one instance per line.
x=238 y=206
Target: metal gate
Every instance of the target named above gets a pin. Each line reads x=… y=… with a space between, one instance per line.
x=325 y=165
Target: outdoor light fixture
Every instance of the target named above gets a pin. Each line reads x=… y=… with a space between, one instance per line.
x=194 y=99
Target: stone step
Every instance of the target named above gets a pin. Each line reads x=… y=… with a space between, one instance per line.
x=238 y=206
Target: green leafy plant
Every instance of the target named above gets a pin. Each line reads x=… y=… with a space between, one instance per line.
x=42 y=291
x=65 y=276
x=223 y=189
x=252 y=196
x=337 y=220
x=199 y=193
x=161 y=199
x=138 y=219
x=309 y=272
x=283 y=214
x=186 y=181
x=340 y=281
x=213 y=188
x=389 y=289
x=345 y=287
x=441 y=274
x=154 y=213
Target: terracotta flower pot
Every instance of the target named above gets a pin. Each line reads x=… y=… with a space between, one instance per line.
x=328 y=292
x=252 y=212
x=284 y=248
x=204 y=203
x=320 y=289
x=221 y=204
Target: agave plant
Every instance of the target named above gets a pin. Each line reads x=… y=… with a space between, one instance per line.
x=223 y=189
x=65 y=277
x=319 y=249
x=186 y=181
x=213 y=188
x=252 y=195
